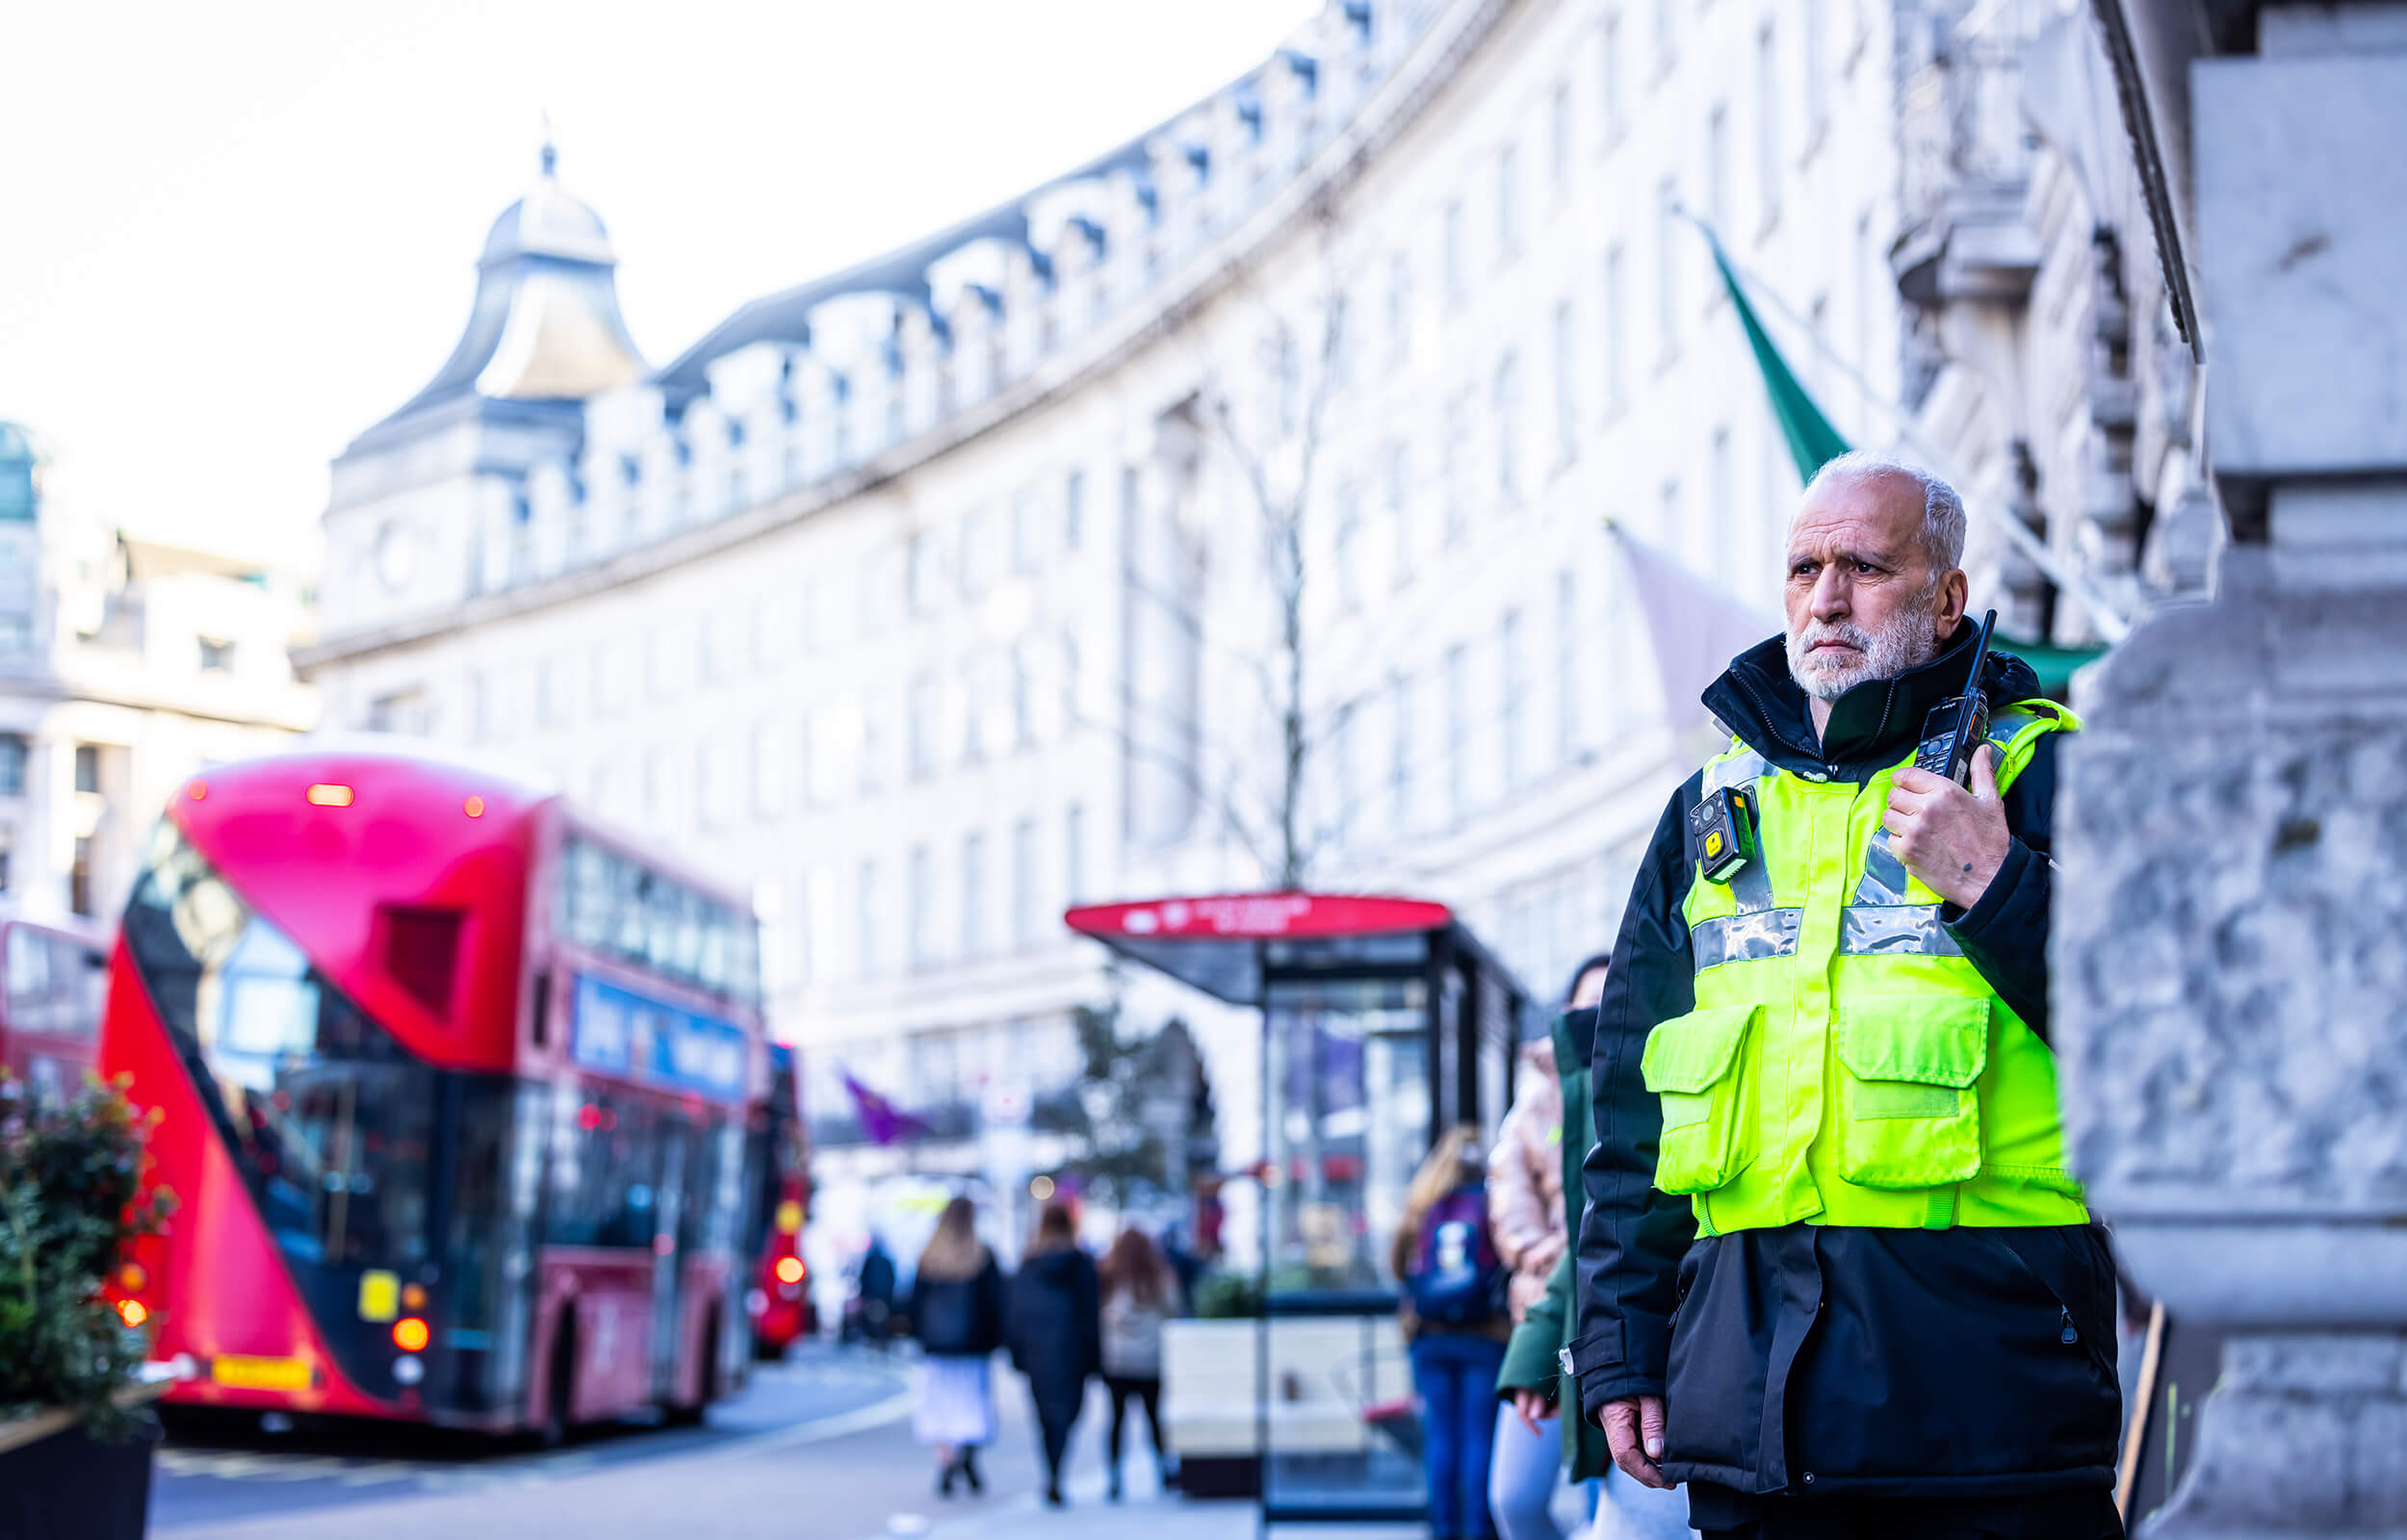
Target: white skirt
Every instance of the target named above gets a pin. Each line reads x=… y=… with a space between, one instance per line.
x=956 y=1401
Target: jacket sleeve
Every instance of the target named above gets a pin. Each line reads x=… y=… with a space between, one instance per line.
x=2004 y=936
x=1530 y=1358
x=1632 y=1236
x=1517 y=1210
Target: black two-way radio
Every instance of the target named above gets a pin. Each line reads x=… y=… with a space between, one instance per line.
x=1958 y=725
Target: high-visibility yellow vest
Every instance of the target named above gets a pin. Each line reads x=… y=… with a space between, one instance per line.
x=1844 y=1063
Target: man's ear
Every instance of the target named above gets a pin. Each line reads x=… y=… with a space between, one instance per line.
x=1954 y=591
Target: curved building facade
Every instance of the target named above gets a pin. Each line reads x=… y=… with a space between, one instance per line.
x=1254 y=503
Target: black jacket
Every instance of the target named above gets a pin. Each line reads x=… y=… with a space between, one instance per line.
x=1810 y=1358
x=1055 y=1329
x=959 y=1318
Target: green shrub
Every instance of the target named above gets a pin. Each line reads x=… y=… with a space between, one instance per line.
x=1224 y=1295
x=70 y=1202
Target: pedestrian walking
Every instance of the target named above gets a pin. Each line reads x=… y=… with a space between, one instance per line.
x=1140 y=1294
x=1539 y=1423
x=1834 y=1275
x=1455 y=1318
x=956 y=1311
x=1056 y=1332
x=873 y=1292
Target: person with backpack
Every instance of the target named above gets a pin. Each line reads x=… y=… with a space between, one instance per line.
x=957 y=1313
x=1456 y=1321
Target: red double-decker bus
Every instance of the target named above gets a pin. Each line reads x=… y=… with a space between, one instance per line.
x=457 y=1091
x=53 y=981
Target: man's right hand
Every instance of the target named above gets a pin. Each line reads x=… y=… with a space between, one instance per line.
x=1633 y=1431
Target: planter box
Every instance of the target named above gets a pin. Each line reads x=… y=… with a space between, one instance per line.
x=57 y=1480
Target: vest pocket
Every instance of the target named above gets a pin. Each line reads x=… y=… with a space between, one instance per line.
x=1910 y=1109
x=1691 y=1063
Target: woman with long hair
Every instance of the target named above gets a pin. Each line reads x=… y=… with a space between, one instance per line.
x=1455 y=1322
x=1140 y=1293
x=1056 y=1332
x=956 y=1311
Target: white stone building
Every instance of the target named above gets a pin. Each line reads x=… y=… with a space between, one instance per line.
x=125 y=665
x=932 y=596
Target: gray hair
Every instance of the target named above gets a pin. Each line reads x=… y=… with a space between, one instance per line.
x=1942 y=511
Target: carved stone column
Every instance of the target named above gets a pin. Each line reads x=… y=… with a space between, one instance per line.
x=2230 y=932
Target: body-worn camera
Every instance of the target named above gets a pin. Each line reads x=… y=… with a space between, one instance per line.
x=1723 y=827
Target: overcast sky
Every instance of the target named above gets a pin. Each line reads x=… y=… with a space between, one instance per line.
x=233 y=236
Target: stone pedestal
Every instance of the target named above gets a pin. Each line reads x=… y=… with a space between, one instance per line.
x=2231 y=931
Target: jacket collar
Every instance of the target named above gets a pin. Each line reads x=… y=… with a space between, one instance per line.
x=1872 y=725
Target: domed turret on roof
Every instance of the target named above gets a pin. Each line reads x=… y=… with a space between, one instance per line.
x=545 y=325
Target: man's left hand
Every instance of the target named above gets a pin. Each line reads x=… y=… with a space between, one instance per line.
x=1952 y=839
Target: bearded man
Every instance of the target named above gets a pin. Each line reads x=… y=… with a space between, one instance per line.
x=1834 y=1274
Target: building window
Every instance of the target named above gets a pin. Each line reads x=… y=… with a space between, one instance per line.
x=1341 y=777
x=920 y=902
x=1568 y=638
x=920 y=574
x=920 y=727
x=1073 y=509
x=88 y=767
x=79 y=877
x=811 y=769
x=973 y=936
x=1508 y=204
x=1617 y=332
x=1611 y=74
x=1400 y=306
x=1023 y=715
x=871 y=768
x=14 y=752
x=1025 y=916
x=977 y=552
x=1566 y=386
x=1399 y=752
x=869 y=919
x=1400 y=509
x=976 y=702
x=1667 y=37
x=1027 y=536
x=1508 y=407
x=1510 y=667
x=1455 y=445
x=1809 y=44
x=803 y=957
x=1452 y=256
x=1072 y=707
x=1073 y=854
x=1559 y=134
x=1768 y=123
x=1724 y=514
x=216 y=657
x=1458 y=728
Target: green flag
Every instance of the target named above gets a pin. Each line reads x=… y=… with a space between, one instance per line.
x=1812 y=440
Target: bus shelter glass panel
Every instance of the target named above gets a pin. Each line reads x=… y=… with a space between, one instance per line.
x=1349 y=1103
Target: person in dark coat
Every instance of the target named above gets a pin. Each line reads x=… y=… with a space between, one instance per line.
x=875 y=1286
x=1949 y=1377
x=1056 y=1332
x=956 y=1311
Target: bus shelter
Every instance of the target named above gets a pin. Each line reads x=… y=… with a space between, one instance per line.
x=1383 y=1022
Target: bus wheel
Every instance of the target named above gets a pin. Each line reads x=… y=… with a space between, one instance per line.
x=689 y=1416
x=562 y=1385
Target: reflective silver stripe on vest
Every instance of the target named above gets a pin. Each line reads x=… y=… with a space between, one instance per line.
x=1746 y=938
x=1894 y=930
x=1750 y=886
x=1885 y=875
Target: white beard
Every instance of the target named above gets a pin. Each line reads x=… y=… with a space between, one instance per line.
x=1909 y=640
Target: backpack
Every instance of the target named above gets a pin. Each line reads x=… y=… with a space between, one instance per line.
x=1457 y=1278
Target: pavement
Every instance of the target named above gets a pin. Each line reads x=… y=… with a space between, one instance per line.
x=817 y=1449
